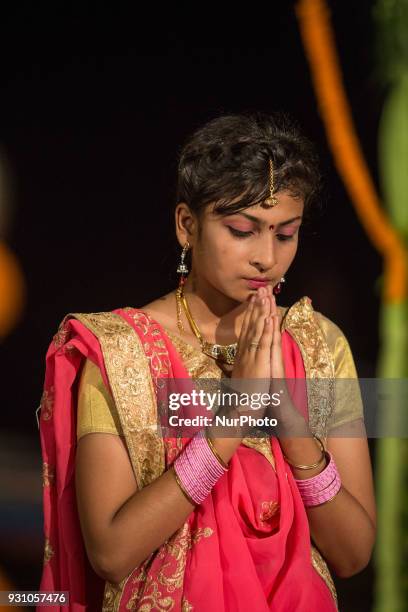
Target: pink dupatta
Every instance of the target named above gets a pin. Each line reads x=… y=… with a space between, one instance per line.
x=246 y=547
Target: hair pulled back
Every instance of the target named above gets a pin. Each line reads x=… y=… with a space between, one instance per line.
x=226 y=163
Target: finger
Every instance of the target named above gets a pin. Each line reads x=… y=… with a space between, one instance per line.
x=269 y=295
x=254 y=313
x=265 y=342
x=277 y=336
x=255 y=332
x=277 y=368
x=274 y=308
x=251 y=316
x=245 y=323
x=268 y=299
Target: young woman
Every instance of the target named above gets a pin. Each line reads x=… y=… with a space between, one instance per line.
x=138 y=521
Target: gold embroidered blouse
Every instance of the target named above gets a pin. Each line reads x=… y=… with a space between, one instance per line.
x=97 y=413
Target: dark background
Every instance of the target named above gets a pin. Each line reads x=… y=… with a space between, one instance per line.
x=96 y=101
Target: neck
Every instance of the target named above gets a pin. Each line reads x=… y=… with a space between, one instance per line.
x=215 y=314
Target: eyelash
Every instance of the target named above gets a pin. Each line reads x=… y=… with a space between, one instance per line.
x=240 y=234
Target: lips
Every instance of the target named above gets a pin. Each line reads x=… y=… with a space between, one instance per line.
x=254 y=283
x=259 y=280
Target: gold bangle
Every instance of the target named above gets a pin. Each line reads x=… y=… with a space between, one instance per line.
x=186 y=495
x=313 y=465
x=214 y=450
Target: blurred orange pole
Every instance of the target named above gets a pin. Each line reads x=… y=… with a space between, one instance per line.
x=318 y=40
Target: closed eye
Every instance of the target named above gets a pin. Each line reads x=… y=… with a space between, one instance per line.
x=239 y=233
x=285 y=237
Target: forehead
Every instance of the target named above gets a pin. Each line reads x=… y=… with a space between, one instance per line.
x=288 y=207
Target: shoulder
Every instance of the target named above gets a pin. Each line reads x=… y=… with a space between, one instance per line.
x=317 y=330
x=109 y=322
x=302 y=314
x=330 y=329
x=338 y=346
x=85 y=325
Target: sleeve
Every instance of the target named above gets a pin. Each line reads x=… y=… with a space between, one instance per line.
x=348 y=403
x=96 y=407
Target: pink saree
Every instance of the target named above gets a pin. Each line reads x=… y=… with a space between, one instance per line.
x=247 y=547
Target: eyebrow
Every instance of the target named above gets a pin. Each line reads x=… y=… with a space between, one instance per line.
x=260 y=222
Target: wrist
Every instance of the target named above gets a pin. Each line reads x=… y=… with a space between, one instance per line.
x=306 y=456
x=321 y=488
x=310 y=473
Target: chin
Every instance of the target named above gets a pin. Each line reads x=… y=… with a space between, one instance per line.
x=236 y=296
x=242 y=296
x=233 y=292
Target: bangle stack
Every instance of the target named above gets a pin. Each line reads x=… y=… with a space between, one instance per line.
x=198 y=468
x=323 y=487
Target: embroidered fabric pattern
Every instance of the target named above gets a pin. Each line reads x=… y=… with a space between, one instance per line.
x=46 y=404
x=321 y=568
x=132 y=391
x=48 y=475
x=268 y=510
x=301 y=323
x=48 y=551
x=148 y=594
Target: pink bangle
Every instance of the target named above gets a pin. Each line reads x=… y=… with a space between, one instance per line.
x=320 y=488
x=197 y=468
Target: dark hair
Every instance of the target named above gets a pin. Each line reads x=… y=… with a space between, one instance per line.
x=226 y=162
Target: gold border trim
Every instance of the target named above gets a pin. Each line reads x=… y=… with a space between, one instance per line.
x=129 y=377
x=301 y=323
x=321 y=568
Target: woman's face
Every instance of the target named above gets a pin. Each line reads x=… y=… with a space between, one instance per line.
x=256 y=243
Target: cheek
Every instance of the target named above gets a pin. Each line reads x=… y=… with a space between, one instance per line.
x=212 y=252
x=234 y=250
x=219 y=258
x=289 y=251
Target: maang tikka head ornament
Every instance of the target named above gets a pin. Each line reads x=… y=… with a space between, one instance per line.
x=271 y=199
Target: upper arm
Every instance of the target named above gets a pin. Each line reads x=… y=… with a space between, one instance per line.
x=353 y=462
x=347 y=437
x=104 y=477
x=104 y=481
x=348 y=405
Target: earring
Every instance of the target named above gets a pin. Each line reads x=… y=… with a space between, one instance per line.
x=182 y=268
x=183 y=271
x=278 y=288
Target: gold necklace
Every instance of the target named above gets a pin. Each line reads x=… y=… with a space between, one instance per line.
x=222 y=352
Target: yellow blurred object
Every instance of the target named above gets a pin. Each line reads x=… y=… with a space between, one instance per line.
x=5 y=585
x=318 y=40
x=12 y=290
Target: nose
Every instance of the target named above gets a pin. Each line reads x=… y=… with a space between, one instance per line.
x=263 y=257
